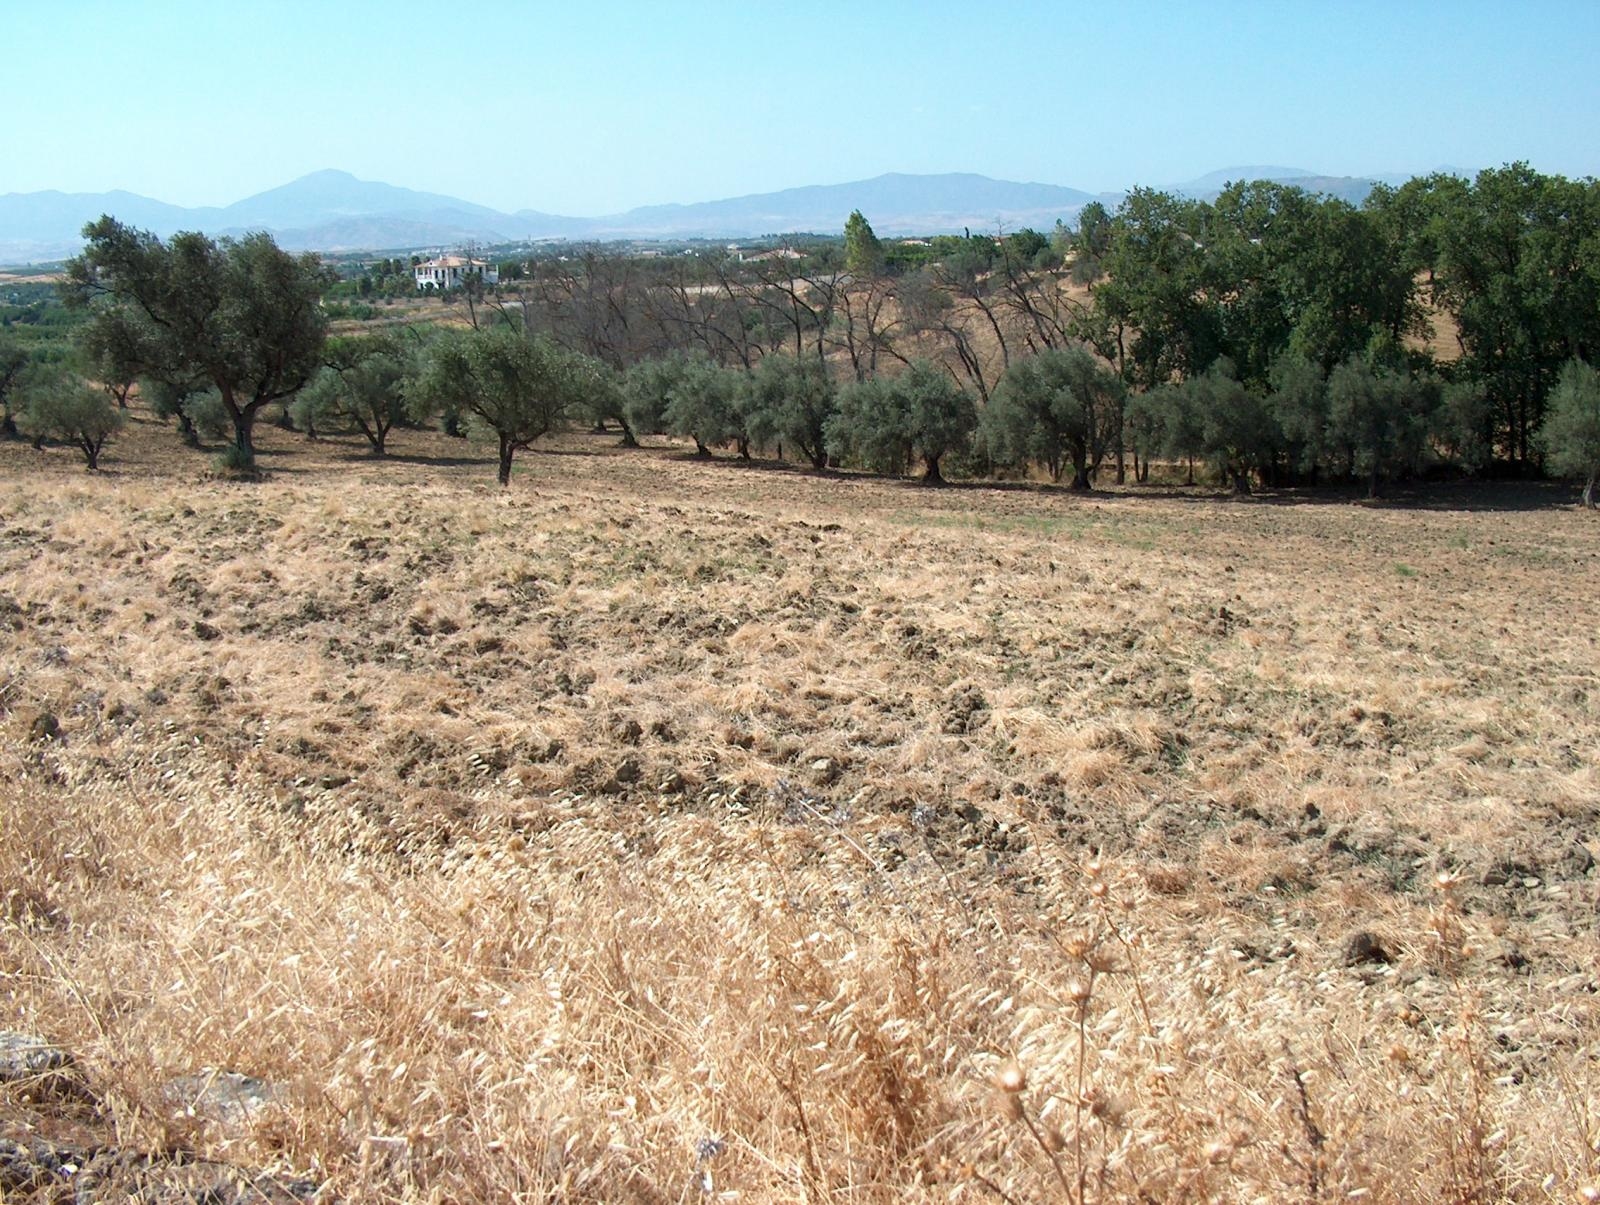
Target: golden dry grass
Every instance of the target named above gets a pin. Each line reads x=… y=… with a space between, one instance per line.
x=660 y=830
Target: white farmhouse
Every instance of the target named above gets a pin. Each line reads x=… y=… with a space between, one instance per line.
x=451 y=271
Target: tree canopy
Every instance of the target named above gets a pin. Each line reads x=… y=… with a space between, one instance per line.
x=513 y=387
x=66 y=407
x=863 y=253
x=1056 y=408
x=242 y=314
x=1570 y=436
x=883 y=422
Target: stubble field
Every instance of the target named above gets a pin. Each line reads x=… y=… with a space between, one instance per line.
x=664 y=830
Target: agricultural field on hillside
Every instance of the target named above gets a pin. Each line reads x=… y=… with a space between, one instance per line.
x=664 y=829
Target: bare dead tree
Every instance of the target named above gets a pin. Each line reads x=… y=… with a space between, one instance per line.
x=868 y=322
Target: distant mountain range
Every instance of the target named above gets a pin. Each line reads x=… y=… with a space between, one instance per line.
x=334 y=211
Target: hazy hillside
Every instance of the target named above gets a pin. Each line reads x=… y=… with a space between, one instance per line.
x=895 y=204
x=334 y=211
x=1349 y=188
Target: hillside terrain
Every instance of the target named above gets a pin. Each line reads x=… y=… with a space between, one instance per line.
x=334 y=211
x=664 y=829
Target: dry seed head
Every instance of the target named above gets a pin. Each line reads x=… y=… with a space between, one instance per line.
x=1101 y=962
x=1011 y=1078
x=1079 y=991
x=1106 y=1107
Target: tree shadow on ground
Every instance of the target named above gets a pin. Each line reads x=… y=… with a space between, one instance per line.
x=1487 y=496
x=1505 y=497
x=417 y=458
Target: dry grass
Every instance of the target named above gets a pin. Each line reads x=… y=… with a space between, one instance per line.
x=659 y=830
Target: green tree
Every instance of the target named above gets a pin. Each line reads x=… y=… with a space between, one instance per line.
x=13 y=362
x=242 y=315
x=1057 y=408
x=1237 y=431
x=883 y=423
x=706 y=404
x=792 y=400
x=1155 y=315
x=1570 y=436
x=513 y=387
x=863 y=253
x=1027 y=246
x=65 y=407
x=1293 y=271
x=1381 y=416
x=1090 y=243
x=1512 y=257
x=363 y=383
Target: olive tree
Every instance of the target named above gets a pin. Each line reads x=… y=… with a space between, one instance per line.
x=64 y=407
x=792 y=400
x=362 y=383
x=706 y=403
x=1380 y=416
x=1237 y=430
x=884 y=422
x=1570 y=435
x=1057 y=408
x=13 y=363
x=512 y=387
x=243 y=315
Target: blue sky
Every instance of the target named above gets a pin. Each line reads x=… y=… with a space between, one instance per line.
x=594 y=106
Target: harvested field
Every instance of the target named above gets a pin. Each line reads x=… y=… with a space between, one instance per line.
x=667 y=830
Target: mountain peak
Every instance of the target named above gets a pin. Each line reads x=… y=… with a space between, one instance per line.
x=332 y=209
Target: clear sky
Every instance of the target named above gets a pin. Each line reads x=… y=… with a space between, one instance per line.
x=594 y=106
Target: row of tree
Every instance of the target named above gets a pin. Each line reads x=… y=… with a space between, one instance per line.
x=1507 y=264
x=1272 y=334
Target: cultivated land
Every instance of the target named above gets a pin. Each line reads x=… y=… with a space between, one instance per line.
x=661 y=830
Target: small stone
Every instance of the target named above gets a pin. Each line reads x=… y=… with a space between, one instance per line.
x=24 y=1056
x=825 y=771
x=44 y=727
x=1511 y=957
x=223 y=1096
x=627 y=731
x=627 y=773
x=206 y=631
x=1365 y=947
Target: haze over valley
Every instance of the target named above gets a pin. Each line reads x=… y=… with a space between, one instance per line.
x=331 y=210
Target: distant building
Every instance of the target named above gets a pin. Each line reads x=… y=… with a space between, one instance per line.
x=761 y=255
x=451 y=272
